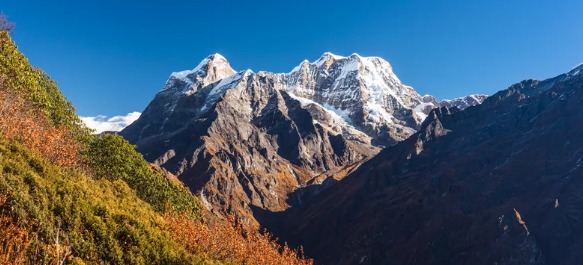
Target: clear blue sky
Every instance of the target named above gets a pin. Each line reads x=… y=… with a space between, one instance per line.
x=111 y=57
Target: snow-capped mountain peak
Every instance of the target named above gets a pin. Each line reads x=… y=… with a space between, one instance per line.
x=363 y=91
x=271 y=128
x=211 y=69
x=363 y=88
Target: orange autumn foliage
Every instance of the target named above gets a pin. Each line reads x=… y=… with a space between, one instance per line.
x=21 y=122
x=14 y=240
x=224 y=241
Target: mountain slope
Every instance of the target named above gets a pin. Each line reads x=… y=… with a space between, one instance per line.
x=497 y=183
x=61 y=212
x=67 y=197
x=18 y=76
x=245 y=141
x=240 y=142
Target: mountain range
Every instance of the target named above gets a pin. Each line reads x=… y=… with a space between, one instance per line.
x=334 y=162
x=245 y=142
x=70 y=196
x=340 y=157
x=498 y=183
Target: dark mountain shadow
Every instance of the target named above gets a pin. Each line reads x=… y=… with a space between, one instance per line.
x=499 y=183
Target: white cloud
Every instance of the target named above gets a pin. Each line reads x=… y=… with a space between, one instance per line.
x=101 y=123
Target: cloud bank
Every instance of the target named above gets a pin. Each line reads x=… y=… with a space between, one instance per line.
x=101 y=123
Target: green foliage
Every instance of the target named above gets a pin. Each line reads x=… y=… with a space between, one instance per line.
x=109 y=156
x=112 y=157
x=113 y=217
x=35 y=86
x=98 y=220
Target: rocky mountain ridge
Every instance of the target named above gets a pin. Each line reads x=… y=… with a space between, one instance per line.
x=498 y=183
x=240 y=142
x=463 y=102
x=362 y=91
x=245 y=141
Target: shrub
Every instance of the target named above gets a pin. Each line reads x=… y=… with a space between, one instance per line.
x=21 y=122
x=56 y=215
x=14 y=240
x=36 y=87
x=112 y=157
x=231 y=243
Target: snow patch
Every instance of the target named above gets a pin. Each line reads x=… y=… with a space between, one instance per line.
x=340 y=116
x=342 y=113
x=418 y=110
x=378 y=114
x=183 y=74
x=348 y=67
x=222 y=87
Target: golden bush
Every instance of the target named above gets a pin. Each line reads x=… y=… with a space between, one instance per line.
x=14 y=240
x=224 y=241
x=21 y=122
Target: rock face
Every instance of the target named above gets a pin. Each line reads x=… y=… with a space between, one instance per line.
x=240 y=141
x=499 y=183
x=246 y=142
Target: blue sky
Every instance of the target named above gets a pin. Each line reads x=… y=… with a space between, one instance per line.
x=111 y=57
